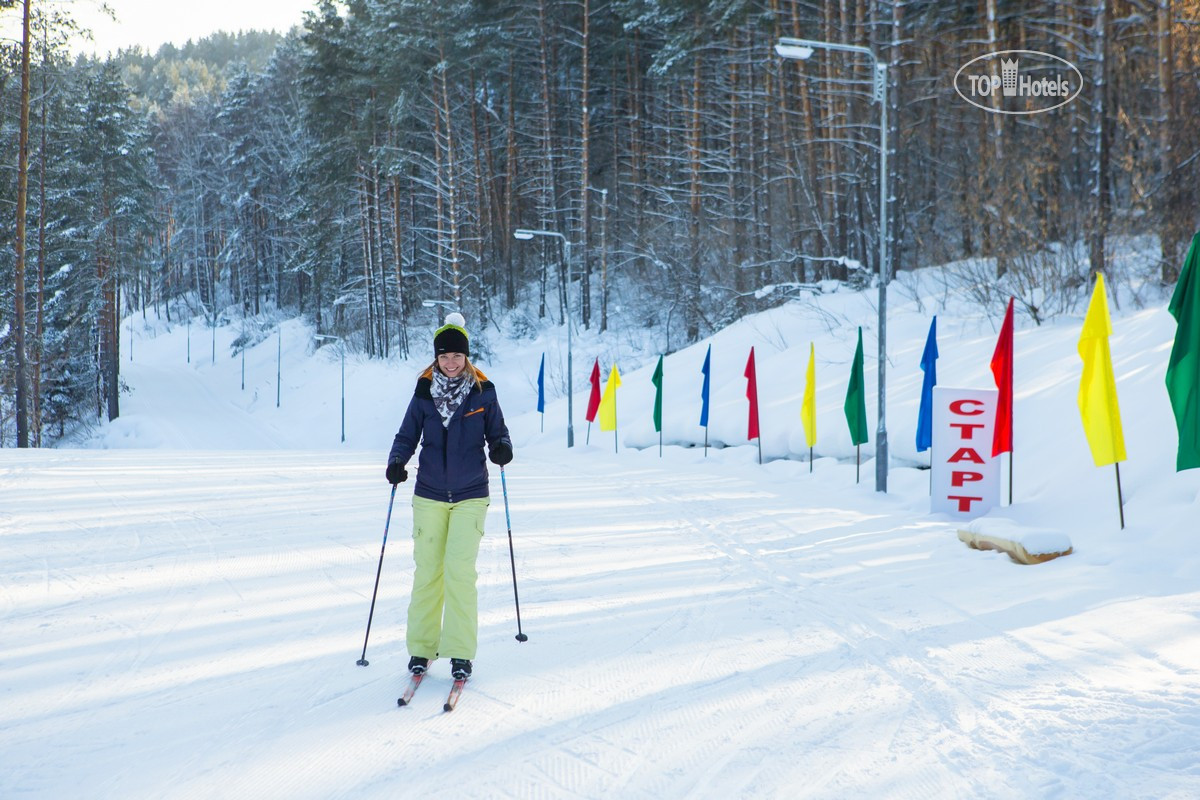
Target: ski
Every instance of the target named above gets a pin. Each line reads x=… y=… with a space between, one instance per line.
x=413 y=683
x=455 y=693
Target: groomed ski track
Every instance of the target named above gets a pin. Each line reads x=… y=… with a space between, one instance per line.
x=186 y=624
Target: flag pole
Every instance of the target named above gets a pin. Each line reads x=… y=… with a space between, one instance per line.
x=857 y=463
x=706 y=441
x=1120 y=499
x=1010 y=476
x=589 y=434
x=660 y=444
x=759 y=449
x=810 y=459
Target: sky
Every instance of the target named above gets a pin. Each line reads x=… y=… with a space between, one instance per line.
x=151 y=23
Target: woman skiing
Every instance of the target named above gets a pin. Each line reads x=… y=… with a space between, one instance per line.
x=453 y=412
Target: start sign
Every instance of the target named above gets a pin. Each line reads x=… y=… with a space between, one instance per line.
x=966 y=478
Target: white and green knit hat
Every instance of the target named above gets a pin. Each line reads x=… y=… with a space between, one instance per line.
x=452 y=336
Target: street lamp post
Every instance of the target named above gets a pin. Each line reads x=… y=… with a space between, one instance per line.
x=802 y=49
x=327 y=338
x=525 y=234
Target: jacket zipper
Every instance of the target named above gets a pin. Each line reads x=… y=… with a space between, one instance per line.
x=446 y=461
x=446 y=456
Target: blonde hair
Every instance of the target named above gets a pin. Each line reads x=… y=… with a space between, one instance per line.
x=470 y=369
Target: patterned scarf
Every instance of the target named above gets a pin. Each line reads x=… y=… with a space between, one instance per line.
x=449 y=394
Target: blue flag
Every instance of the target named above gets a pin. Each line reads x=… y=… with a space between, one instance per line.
x=704 y=389
x=925 y=415
x=542 y=385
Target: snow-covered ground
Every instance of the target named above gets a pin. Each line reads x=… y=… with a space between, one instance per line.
x=183 y=601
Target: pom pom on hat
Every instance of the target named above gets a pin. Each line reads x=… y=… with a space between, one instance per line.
x=452 y=336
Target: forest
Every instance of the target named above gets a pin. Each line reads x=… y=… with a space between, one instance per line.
x=369 y=168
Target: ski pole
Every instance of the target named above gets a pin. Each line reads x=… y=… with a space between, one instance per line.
x=362 y=661
x=521 y=637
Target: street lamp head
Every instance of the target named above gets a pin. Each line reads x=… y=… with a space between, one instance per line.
x=529 y=233
x=798 y=52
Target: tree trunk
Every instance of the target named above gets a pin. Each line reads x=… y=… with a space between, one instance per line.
x=735 y=224
x=377 y=203
x=397 y=251
x=548 y=192
x=832 y=191
x=584 y=190
x=364 y=229
x=482 y=205
x=439 y=201
x=110 y=319
x=1168 y=226
x=603 y=260
x=495 y=242
x=39 y=331
x=785 y=141
x=637 y=137
x=19 y=376
x=695 y=270
x=1103 y=136
x=808 y=144
x=895 y=165
x=510 y=179
x=451 y=187
x=992 y=22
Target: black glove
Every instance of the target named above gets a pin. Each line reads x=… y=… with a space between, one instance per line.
x=396 y=473
x=500 y=454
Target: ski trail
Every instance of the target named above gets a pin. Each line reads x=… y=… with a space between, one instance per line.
x=186 y=624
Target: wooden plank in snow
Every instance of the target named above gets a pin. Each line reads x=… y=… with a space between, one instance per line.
x=1016 y=550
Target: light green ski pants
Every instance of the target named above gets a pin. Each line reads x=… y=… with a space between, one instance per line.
x=443 y=615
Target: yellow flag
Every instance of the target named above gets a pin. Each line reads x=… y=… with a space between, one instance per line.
x=808 y=409
x=1098 y=388
x=608 y=403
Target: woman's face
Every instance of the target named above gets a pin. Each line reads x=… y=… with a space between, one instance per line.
x=452 y=364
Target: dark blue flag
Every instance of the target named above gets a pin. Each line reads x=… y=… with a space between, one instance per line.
x=704 y=389
x=925 y=415
x=542 y=385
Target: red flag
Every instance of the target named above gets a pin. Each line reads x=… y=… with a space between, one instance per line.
x=594 y=400
x=1002 y=369
x=752 y=396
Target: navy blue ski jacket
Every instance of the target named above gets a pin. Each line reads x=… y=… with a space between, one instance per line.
x=452 y=463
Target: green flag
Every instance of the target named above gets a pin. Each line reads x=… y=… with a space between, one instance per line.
x=856 y=398
x=1183 y=370
x=656 y=379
